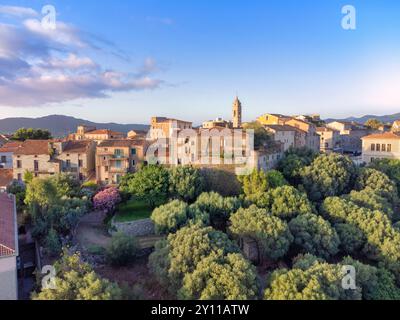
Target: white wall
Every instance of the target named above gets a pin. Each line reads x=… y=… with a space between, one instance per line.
x=8 y=278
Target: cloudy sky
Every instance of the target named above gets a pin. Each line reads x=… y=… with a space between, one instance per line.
x=126 y=61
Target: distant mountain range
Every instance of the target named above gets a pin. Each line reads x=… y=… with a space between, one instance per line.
x=60 y=125
x=384 y=119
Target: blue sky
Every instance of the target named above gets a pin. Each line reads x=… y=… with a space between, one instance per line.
x=126 y=61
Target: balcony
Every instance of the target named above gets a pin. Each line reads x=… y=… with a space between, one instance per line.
x=118 y=170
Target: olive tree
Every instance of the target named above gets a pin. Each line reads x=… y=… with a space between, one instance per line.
x=185 y=183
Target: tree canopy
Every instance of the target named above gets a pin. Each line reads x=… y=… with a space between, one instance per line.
x=31 y=134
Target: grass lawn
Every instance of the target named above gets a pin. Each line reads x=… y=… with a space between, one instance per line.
x=133 y=210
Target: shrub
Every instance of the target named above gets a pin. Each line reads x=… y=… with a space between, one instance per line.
x=122 y=249
x=107 y=199
x=170 y=217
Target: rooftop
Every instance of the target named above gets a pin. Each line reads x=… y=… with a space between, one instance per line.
x=385 y=135
x=121 y=143
x=6 y=177
x=8 y=243
x=104 y=131
x=77 y=146
x=11 y=146
x=33 y=147
x=278 y=127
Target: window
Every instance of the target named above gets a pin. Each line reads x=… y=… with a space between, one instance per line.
x=378 y=147
x=19 y=177
x=133 y=163
x=19 y=164
x=133 y=151
x=373 y=147
x=389 y=148
x=36 y=165
x=3 y=159
x=106 y=168
x=384 y=148
x=118 y=164
x=118 y=153
x=80 y=163
x=68 y=164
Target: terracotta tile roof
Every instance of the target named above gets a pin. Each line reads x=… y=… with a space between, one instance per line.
x=78 y=146
x=386 y=135
x=103 y=131
x=33 y=147
x=6 y=177
x=325 y=129
x=121 y=143
x=278 y=127
x=8 y=230
x=11 y=146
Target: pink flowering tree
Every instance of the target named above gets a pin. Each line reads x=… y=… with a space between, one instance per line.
x=107 y=199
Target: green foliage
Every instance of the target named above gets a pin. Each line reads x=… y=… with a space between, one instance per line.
x=53 y=243
x=374 y=124
x=31 y=134
x=122 y=249
x=76 y=280
x=294 y=161
x=259 y=182
x=28 y=177
x=320 y=281
x=66 y=185
x=185 y=183
x=41 y=192
x=285 y=202
x=170 y=217
x=383 y=240
x=390 y=167
x=18 y=189
x=180 y=254
x=271 y=233
x=217 y=207
x=261 y=136
x=328 y=175
x=150 y=184
x=305 y=261
x=378 y=182
x=314 y=235
x=375 y=283
x=221 y=181
x=221 y=277
x=352 y=239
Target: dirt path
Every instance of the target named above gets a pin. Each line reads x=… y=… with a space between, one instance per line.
x=91 y=231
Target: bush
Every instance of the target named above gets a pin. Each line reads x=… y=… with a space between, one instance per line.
x=221 y=181
x=314 y=235
x=122 y=249
x=53 y=243
x=170 y=217
x=352 y=239
x=271 y=233
x=107 y=200
x=185 y=183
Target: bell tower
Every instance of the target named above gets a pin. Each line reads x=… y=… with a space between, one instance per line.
x=237 y=113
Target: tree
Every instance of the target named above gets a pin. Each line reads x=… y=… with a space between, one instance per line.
x=107 y=199
x=370 y=199
x=259 y=182
x=66 y=185
x=185 y=183
x=294 y=160
x=378 y=182
x=18 y=189
x=390 y=167
x=285 y=202
x=271 y=233
x=314 y=235
x=76 y=280
x=375 y=283
x=41 y=192
x=221 y=277
x=352 y=239
x=170 y=217
x=150 y=184
x=373 y=124
x=122 y=249
x=31 y=134
x=182 y=251
x=328 y=175
x=320 y=281
x=217 y=207
x=261 y=136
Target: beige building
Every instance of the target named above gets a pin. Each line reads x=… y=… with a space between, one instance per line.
x=98 y=135
x=49 y=157
x=217 y=123
x=312 y=140
x=268 y=119
x=329 y=140
x=380 y=146
x=115 y=158
x=284 y=134
x=165 y=127
x=8 y=248
x=267 y=158
x=6 y=154
x=351 y=134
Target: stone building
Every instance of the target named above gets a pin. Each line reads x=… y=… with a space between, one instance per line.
x=91 y=133
x=380 y=146
x=237 y=113
x=329 y=140
x=165 y=127
x=116 y=158
x=6 y=154
x=284 y=134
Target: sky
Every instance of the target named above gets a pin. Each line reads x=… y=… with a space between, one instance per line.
x=125 y=61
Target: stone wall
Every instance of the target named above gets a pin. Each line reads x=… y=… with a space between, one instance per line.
x=138 y=228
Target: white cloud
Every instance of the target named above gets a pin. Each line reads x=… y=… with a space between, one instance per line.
x=20 y=12
x=44 y=67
